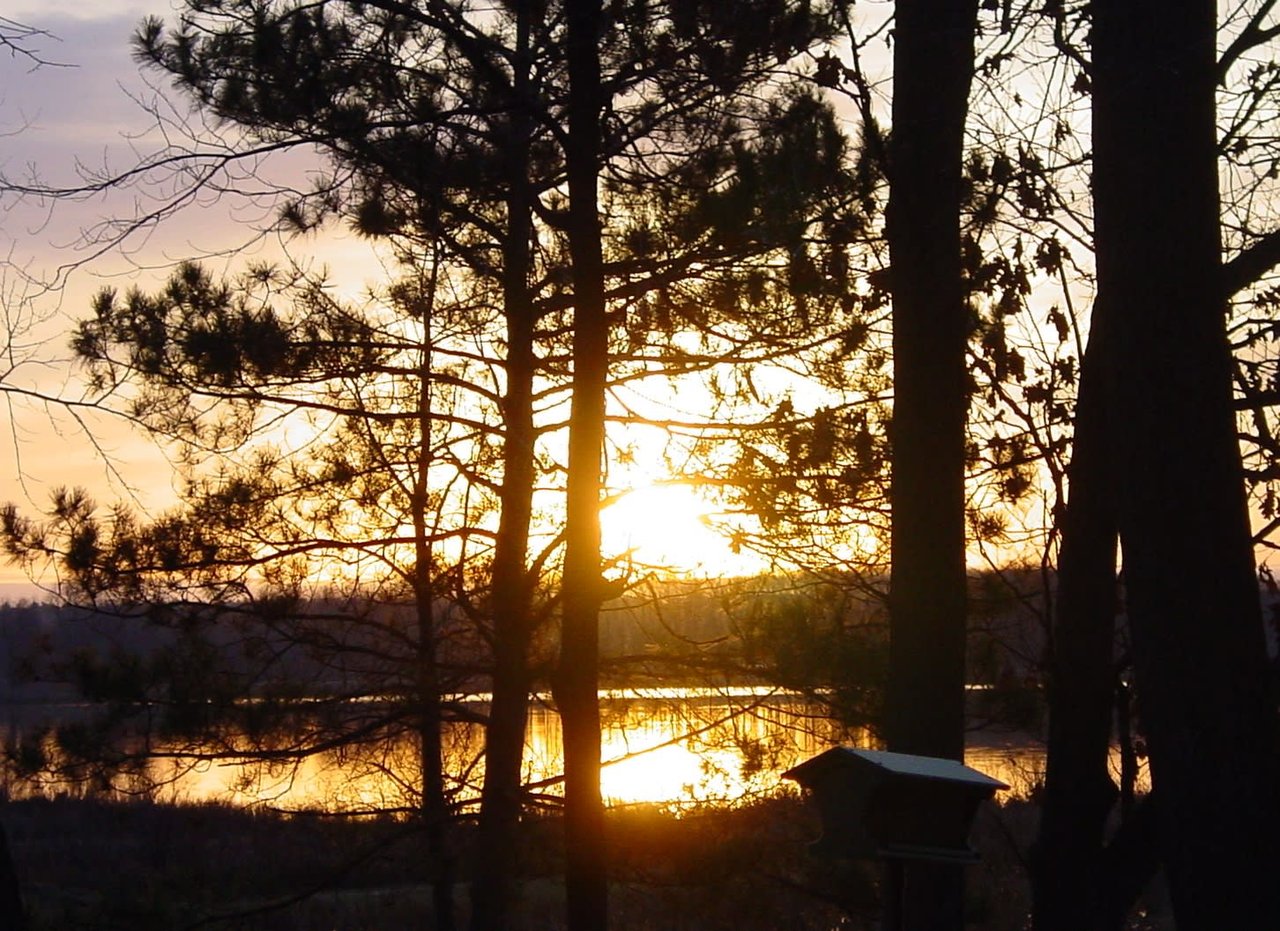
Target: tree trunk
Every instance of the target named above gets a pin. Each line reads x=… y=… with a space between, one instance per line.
x=1199 y=652
x=933 y=61
x=933 y=67
x=434 y=804
x=494 y=878
x=586 y=877
x=13 y=916
x=1078 y=790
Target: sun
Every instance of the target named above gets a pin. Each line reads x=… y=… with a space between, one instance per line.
x=667 y=527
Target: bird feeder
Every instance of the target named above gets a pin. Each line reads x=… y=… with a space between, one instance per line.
x=875 y=804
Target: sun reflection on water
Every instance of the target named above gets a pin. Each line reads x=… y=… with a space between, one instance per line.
x=677 y=748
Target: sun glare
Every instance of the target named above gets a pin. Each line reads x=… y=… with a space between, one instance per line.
x=670 y=528
x=646 y=760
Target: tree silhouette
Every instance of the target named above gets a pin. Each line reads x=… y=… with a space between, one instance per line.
x=441 y=135
x=1200 y=658
x=1079 y=884
x=924 y=707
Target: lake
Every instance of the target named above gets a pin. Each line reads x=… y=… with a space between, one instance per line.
x=678 y=748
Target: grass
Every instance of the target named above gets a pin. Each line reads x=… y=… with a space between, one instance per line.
x=96 y=865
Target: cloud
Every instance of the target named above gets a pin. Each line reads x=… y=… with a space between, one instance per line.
x=84 y=107
x=48 y=14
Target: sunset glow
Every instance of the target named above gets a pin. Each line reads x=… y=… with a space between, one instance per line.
x=669 y=527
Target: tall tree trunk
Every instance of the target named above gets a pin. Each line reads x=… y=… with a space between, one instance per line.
x=493 y=882
x=13 y=916
x=1079 y=793
x=1199 y=651
x=434 y=803
x=586 y=877
x=933 y=68
x=933 y=63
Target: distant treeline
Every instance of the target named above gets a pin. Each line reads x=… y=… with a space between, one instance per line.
x=747 y=628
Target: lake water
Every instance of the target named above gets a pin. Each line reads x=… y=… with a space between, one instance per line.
x=679 y=748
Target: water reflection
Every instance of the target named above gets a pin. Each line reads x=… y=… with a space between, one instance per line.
x=706 y=748
x=680 y=748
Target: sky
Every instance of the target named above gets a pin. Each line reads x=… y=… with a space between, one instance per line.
x=86 y=107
